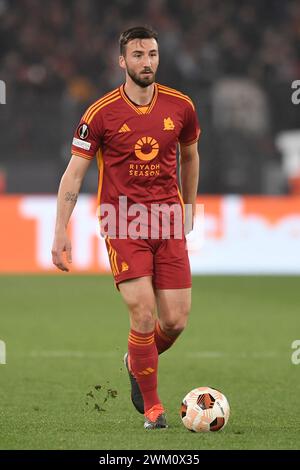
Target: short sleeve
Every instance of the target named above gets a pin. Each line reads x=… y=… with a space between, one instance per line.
x=87 y=137
x=190 y=131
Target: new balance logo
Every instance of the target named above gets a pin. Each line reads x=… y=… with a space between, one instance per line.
x=147 y=371
x=124 y=128
x=168 y=124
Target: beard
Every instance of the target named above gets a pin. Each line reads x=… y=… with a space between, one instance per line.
x=139 y=79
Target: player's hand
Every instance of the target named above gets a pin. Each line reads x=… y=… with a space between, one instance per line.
x=61 y=244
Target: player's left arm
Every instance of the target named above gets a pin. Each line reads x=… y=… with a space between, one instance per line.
x=189 y=176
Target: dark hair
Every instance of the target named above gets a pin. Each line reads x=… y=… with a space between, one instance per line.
x=138 y=32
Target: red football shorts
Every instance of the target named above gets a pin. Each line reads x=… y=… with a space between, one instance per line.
x=165 y=260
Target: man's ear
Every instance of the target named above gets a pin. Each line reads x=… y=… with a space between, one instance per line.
x=122 y=62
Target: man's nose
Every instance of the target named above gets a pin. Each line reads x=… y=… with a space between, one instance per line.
x=146 y=61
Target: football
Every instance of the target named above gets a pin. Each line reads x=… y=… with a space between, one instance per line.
x=204 y=409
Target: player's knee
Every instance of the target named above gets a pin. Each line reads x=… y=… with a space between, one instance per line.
x=174 y=327
x=143 y=323
x=142 y=316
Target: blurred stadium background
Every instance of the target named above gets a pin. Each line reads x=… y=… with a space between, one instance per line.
x=237 y=59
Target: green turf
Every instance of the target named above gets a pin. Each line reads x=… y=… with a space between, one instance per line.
x=67 y=334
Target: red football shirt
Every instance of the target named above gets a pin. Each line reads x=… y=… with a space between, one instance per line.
x=136 y=146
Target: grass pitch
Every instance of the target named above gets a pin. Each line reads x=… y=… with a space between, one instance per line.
x=66 y=337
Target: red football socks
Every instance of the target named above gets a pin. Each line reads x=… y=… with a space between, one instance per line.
x=143 y=363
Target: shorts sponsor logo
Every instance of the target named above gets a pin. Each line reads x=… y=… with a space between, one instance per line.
x=81 y=143
x=83 y=131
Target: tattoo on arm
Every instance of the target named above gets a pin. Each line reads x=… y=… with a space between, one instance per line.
x=72 y=197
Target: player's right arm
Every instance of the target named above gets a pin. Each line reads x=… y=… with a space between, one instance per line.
x=85 y=145
x=67 y=196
